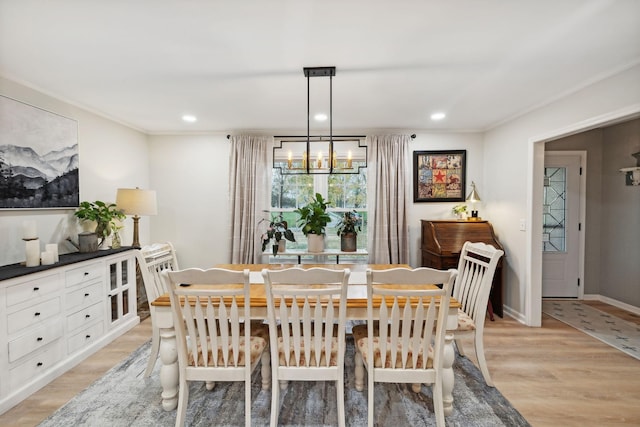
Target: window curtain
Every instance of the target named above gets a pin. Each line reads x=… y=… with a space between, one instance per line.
x=249 y=189
x=389 y=188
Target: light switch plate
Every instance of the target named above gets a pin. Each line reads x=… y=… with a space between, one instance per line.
x=523 y=224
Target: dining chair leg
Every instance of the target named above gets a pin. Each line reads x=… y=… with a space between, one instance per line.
x=210 y=385
x=340 y=392
x=155 y=349
x=482 y=361
x=183 y=401
x=275 y=402
x=438 y=404
x=459 y=346
x=265 y=369
x=359 y=372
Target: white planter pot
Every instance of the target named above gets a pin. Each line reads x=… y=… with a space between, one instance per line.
x=315 y=242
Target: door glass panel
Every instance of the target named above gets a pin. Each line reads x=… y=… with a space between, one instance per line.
x=125 y=302
x=113 y=275
x=554 y=209
x=125 y=273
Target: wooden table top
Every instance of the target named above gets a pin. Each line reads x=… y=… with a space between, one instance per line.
x=356 y=294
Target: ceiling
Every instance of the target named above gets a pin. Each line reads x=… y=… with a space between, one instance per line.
x=237 y=65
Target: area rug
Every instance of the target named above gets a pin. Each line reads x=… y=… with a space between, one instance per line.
x=611 y=330
x=123 y=397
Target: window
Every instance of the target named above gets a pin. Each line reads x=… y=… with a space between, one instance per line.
x=345 y=193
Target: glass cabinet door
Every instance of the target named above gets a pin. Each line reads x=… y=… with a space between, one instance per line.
x=121 y=280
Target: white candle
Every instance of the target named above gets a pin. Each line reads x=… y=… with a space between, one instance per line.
x=33 y=252
x=29 y=230
x=47 y=258
x=53 y=248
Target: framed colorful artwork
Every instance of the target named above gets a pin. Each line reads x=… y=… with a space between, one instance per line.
x=439 y=176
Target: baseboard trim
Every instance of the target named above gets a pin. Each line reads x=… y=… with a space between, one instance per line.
x=628 y=307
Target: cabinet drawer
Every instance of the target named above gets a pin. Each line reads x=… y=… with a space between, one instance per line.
x=37 y=313
x=35 y=339
x=32 y=289
x=84 y=296
x=36 y=365
x=84 y=274
x=84 y=317
x=84 y=337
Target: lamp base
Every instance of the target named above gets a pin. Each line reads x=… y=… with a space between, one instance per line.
x=136 y=234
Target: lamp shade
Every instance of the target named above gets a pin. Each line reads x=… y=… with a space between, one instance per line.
x=473 y=197
x=134 y=201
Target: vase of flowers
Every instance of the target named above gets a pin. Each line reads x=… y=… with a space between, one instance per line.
x=277 y=235
x=459 y=211
x=347 y=229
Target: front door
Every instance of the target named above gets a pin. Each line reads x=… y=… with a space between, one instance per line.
x=561 y=226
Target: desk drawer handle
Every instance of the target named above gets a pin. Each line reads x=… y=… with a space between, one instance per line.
x=39 y=339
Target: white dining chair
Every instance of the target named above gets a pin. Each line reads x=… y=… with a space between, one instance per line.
x=310 y=307
x=401 y=342
x=153 y=260
x=213 y=331
x=476 y=268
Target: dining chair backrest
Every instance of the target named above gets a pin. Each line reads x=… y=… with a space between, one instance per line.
x=307 y=304
x=153 y=260
x=406 y=329
x=476 y=268
x=212 y=326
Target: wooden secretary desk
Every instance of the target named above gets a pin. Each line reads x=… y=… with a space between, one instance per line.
x=442 y=242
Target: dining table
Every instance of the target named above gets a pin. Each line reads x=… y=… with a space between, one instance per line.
x=356 y=310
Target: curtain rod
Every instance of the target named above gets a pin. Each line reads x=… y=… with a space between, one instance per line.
x=413 y=136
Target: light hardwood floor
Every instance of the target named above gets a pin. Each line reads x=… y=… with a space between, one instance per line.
x=554 y=375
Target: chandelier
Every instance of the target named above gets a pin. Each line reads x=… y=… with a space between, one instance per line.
x=324 y=153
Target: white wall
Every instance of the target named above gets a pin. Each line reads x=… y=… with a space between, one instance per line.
x=190 y=175
x=513 y=163
x=472 y=142
x=111 y=156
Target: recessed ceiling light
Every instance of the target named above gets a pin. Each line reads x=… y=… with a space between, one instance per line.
x=438 y=116
x=320 y=117
x=189 y=118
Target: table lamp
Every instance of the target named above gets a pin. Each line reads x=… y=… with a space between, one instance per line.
x=136 y=202
x=473 y=198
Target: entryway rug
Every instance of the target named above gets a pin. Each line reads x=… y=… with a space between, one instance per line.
x=611 y=330
x=123 y=397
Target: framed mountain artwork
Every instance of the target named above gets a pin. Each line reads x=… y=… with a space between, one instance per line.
x=38 y=158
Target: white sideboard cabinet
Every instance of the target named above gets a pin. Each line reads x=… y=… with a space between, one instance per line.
x=53 y=317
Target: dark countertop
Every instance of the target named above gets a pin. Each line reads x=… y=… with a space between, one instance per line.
x=16 y=270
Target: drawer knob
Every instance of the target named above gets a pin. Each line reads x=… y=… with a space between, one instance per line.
x=39 y=364
x=39 y=339
x=36 y=289
x=87 y=316
x=86 y=273
x=87 y=294
x=87 y=336
x=37 y=313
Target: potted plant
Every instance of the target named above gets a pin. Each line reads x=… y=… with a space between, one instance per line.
x=313 y=221
x=348 y=228
x=276 y=233
x=103 y=214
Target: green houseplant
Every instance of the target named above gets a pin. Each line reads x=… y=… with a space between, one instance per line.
x=347 y=229
x=277 y=231
x=103 y=214
x=313 y=221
